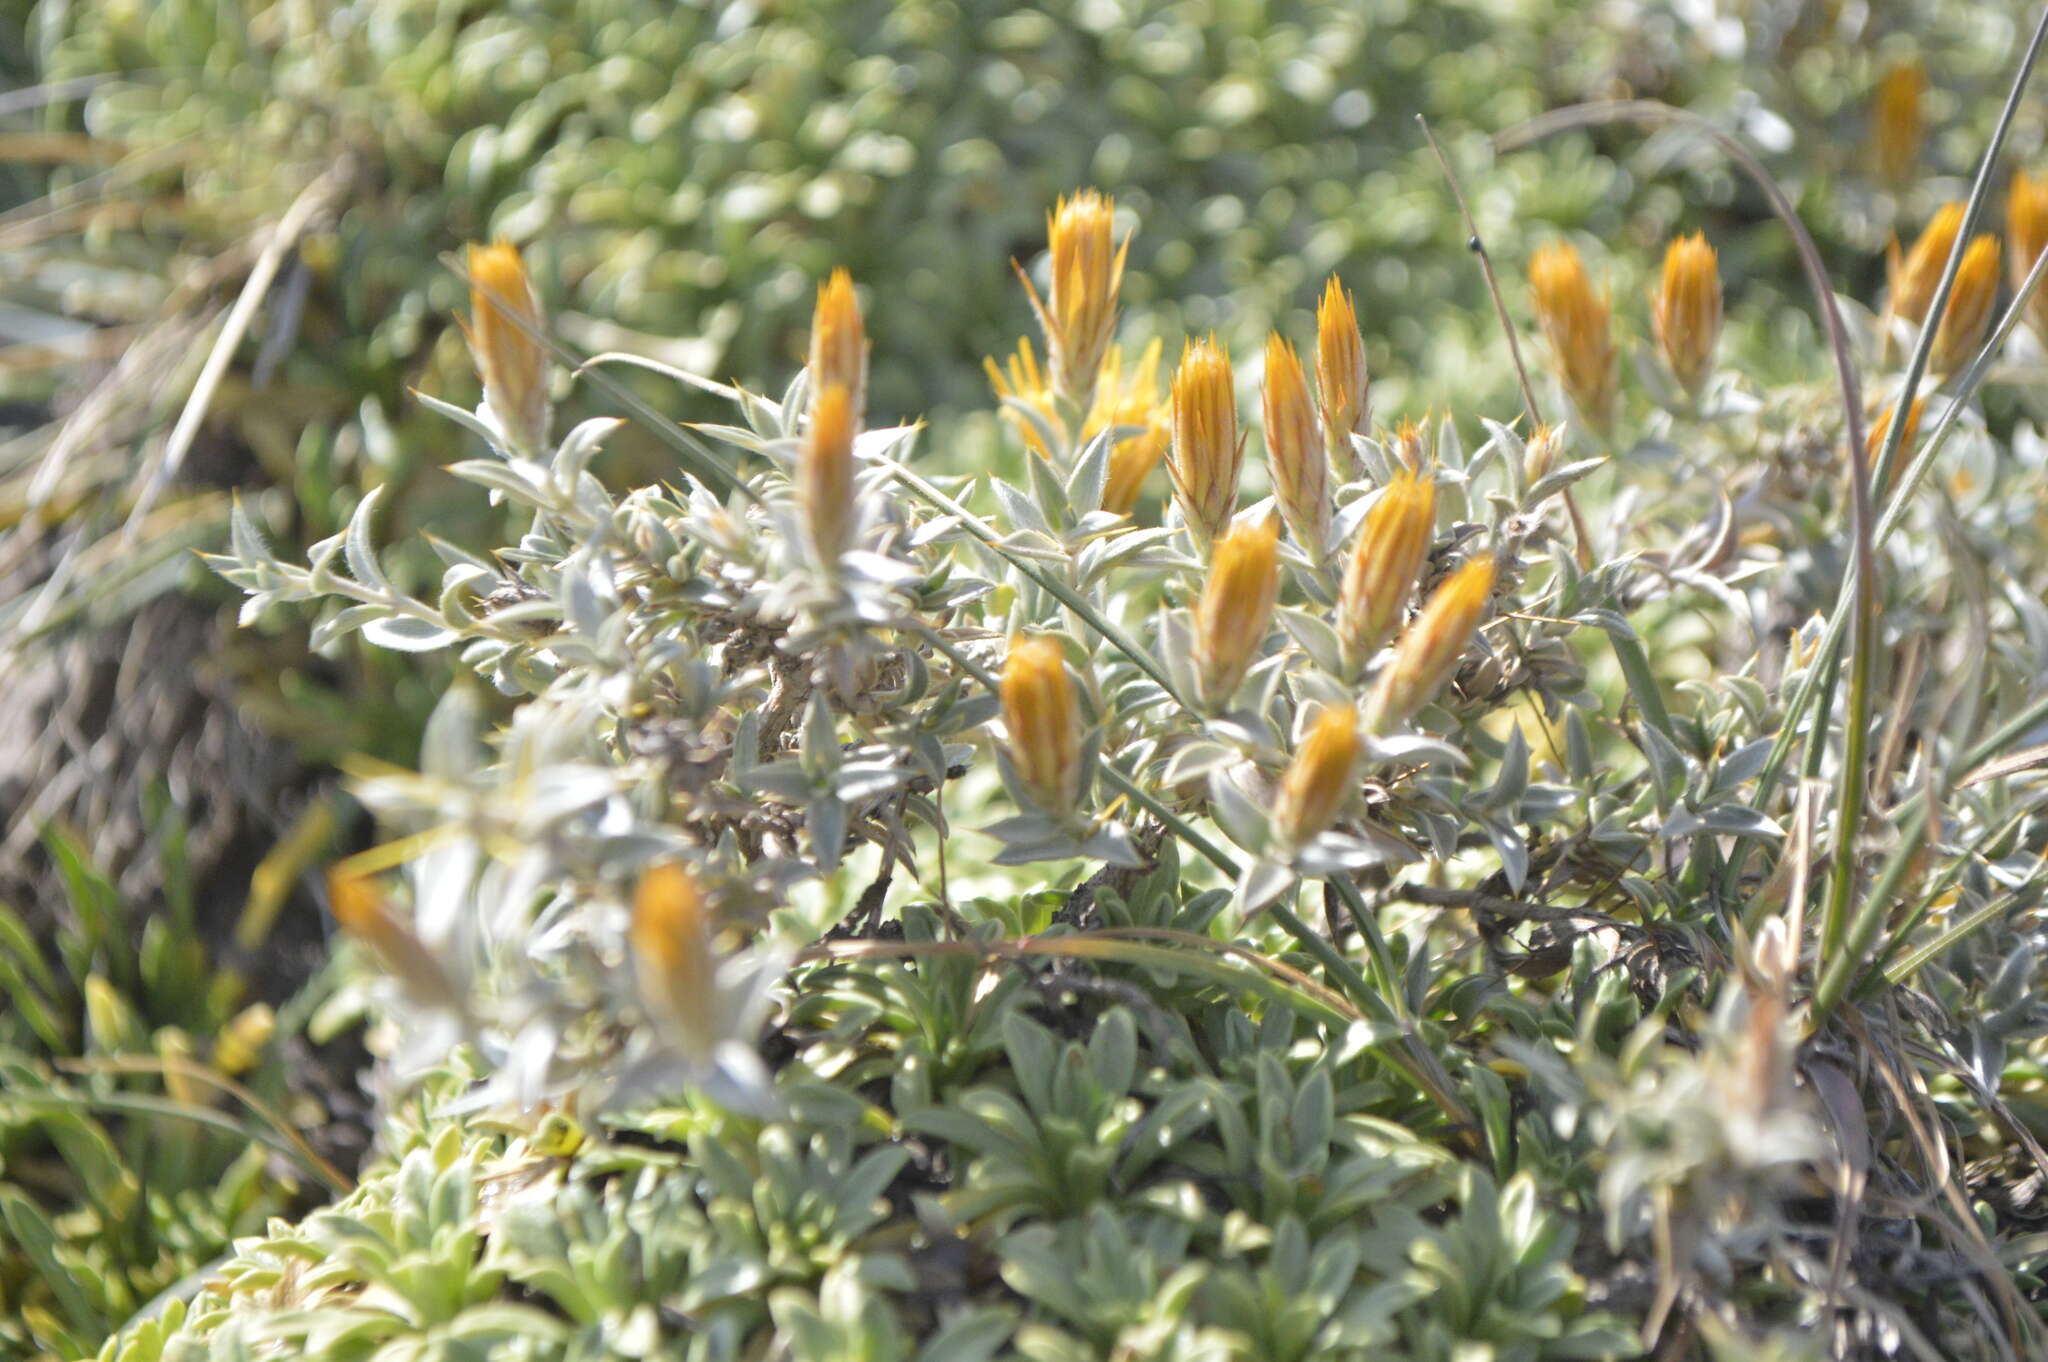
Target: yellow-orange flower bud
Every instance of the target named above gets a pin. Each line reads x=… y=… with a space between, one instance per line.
x=1685 y=311
x=1206 y=452
x=1301 y=476
x=1342 y=383
x=1236 y=608
x=1407 y=443
x=359 y=907
x=839 y=345
x=240 y=1043
x=1895 y=125
x=1087 y=272
x=1020 y=380
x=824 y=481
x=1385 y=558
x=1968 y=313
x=1429 y=651
x=1044 y=724
x=1575 y=321
x=1880 y=431
x=504 y=317
x=1130 y=463
x=1539 y=455
x=673 y=960
x=1914 y=281
x=2026 y=228
x=1318 y=780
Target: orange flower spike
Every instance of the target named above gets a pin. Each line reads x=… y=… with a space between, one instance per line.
x=839 y=346
x=1575 y=320
x=1970 y=302
x=1896 y=128
x=1685 y=310
x=1343 y=386
x=1430 y=650
x=1319 y=779
x=1044 y=723
x=1301 y=475
x=1087 y=274
x=1914 y=280
x=1384 y=562
x=673 y=960
x=1206 y=453
x=2026 y=228
x=824 y=479
x=1236 y=609
x=504 y=316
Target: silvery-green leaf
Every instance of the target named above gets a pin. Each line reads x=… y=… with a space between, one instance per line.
x=1559 y=479
x=344 y=622
x=1514 y=773
x=1021 y=511
x=1316 y=638
x=362 y=553
x=1260 y=883
x=467 y=420
x=1244 y=822
x=1409 y=748
x=510 y=479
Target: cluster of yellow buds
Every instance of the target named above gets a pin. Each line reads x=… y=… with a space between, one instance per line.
x=1044 y=724
x=1685 y=310
x=1318 y=779
x=674 y=964
x=1575 y=322
x=1207 y=453
x=1301 y=479
x=504 y=327
x=1087 y=273
x=838 y=375
x=1429 y=651
x=2026 y=228
x=1895 y=124
x=1385 y=559
x=1342 y=383
x=1236 y=609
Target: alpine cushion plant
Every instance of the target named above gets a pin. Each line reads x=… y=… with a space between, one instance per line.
x=1380 y=873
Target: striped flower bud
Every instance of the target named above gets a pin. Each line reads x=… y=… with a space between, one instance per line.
x=1429 y=651
x=1685 y=311
x=1575 y=321
x=504 y=321
x=2026 y=228
x=1301 y=478
x=1539 y=455
x=1385 y=558
x=1318 y=780
x=1969 y=308
x=359 y=907
x=1895 y=124
x=824 y=479
x=1044 y=724
x=1206 y=453
x=1914 y=281
x=674 y=964
x=1236 y=609
x=1087 y=272
x=1880 y=431
x=839 y=345
x=1342 y=383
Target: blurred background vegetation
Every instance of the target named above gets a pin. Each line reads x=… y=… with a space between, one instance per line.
x=681 y=176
